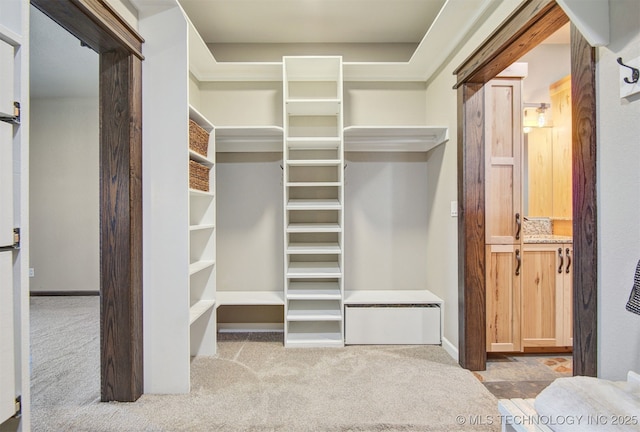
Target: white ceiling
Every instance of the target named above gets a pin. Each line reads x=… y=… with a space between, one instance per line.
x=312 y=21
x=59 y=65
x=358 y=29
x=246 y=39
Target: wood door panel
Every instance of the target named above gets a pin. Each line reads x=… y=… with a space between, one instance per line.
x=560 y=93
x=503 y=299
x=539 y=172
x=541 y=311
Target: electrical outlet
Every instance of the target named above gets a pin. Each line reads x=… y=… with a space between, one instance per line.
x=454 y=208
x=32 y=272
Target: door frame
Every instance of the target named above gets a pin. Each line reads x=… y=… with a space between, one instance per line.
x=119 y=47
x=523 y=30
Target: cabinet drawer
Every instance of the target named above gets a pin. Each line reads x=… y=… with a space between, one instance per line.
x=392 y=324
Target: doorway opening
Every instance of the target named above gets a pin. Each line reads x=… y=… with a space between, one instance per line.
x=98 y=26
x=524 y=29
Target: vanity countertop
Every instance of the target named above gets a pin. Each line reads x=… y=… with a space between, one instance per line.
x=547 y=238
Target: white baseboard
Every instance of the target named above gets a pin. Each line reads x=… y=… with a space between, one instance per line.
x=450 y=348
x=250 y=327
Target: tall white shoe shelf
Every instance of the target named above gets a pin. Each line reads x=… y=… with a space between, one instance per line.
x=313 y=184
x=202 y=251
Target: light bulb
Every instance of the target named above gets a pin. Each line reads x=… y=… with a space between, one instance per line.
x=541 y=119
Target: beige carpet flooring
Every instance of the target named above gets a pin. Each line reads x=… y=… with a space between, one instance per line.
x=253 y=384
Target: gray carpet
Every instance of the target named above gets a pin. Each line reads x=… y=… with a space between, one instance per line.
x=253 y=384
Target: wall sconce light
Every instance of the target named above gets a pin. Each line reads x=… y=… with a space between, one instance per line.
x=541 y=114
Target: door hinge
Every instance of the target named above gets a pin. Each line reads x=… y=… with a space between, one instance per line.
x=18 y=407
x=16 y=242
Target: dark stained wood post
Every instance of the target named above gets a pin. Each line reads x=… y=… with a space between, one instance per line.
x=471 y=227
x=585 y=236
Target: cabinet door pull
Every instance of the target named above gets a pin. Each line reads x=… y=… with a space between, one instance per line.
x=561 y=260
x=519 y=225
x=567 y=251
x=518 y=262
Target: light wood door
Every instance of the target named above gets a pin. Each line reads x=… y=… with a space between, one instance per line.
x=503 y=159
x=542 y=296
x=560 y=93
x=547 y=295
x=503 y=297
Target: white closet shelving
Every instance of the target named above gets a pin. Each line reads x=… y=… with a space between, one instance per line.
x=248 y=139
x=202 y=250
x=313 y=161
x=394 y=138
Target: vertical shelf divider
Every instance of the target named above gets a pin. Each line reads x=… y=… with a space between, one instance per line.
x=313 y=192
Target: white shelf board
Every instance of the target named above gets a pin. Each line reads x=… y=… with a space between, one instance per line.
x=313 y=270
x=300 y=314
x=314 y=291
x=9 y=36
x=310 y=204
x=199 y=193
x=199 y=309
x=313 y=107
x=314 y=162
x=200 y=265
x=201 y=120
x=249 y=139
x=391 y=297
x=394 y=138
x=239 y=298
x=313 y=227
x=201 y=227
x=311 y=339
x=314 y=184
x=313 y=143
x=193 y=155
x=313 y=248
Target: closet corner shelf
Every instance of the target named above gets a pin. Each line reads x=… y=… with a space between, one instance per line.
x=200 y=265
x=193 y=155
x=199 y=193
x=250 y=298
x=394 y=138
x=9 y=36
x=201 y=120
x=201 y=227
x=199 y=309
x=249 y=139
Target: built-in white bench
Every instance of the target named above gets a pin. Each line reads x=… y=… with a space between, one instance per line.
x=386 y=317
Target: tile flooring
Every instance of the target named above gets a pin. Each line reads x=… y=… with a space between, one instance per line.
x=523 y=375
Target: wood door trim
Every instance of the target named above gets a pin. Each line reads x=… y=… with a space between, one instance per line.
x=585 y=236
x=531 y=23
x=121 y=325
x=522 y=31
x=103 y=29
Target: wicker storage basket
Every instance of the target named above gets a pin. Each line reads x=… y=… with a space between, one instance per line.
x=198 y=176
x=198 y=138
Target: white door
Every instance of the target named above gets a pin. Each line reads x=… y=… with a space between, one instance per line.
x=7 y=347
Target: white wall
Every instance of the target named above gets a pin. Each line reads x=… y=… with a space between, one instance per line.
x=165 y=200
x=64 y=194
x=618 y=197
x=547 y=64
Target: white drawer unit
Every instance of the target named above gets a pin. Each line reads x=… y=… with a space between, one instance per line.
x=392 y=318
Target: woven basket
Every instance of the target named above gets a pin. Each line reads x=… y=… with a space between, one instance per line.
x=198 y=176
x=198 y=138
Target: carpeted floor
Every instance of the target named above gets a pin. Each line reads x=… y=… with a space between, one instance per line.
x=253 y=384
